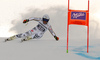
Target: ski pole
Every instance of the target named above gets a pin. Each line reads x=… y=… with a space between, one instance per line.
x=26 y=24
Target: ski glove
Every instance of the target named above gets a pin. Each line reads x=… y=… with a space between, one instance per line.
x=25 y=21
x=57 y=38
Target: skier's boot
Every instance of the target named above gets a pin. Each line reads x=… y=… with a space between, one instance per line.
x=26 y=39
x=10 y=38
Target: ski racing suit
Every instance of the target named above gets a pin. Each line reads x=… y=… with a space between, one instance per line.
x=38 y=31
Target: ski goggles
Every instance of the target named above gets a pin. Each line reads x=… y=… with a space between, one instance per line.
x=45 y=19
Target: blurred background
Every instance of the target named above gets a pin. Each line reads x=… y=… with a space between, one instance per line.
x=13 y=12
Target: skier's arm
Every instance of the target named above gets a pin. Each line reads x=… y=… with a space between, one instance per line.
x=31 y=19
x=53 y=33
x=34 y=19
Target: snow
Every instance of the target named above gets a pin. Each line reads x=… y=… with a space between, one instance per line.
x=46 y=50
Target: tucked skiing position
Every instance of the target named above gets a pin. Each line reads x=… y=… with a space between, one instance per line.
x=37 y=32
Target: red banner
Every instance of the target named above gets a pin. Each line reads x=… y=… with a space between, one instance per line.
x=78 y=17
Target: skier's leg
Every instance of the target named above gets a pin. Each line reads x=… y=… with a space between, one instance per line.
x=28 y=38
x=33 y=36
x=10 y=38
x=22 y=35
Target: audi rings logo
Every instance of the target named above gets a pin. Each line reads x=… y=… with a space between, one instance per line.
x=78 y=15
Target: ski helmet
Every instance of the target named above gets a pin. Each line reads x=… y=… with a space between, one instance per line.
x=45 y=18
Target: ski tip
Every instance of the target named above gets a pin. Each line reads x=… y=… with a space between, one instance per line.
x=5 y=40
x=21 y=41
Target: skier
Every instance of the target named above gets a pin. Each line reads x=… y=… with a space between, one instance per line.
x=37 y=32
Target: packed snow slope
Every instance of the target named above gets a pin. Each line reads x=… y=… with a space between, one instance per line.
x=47 y=50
